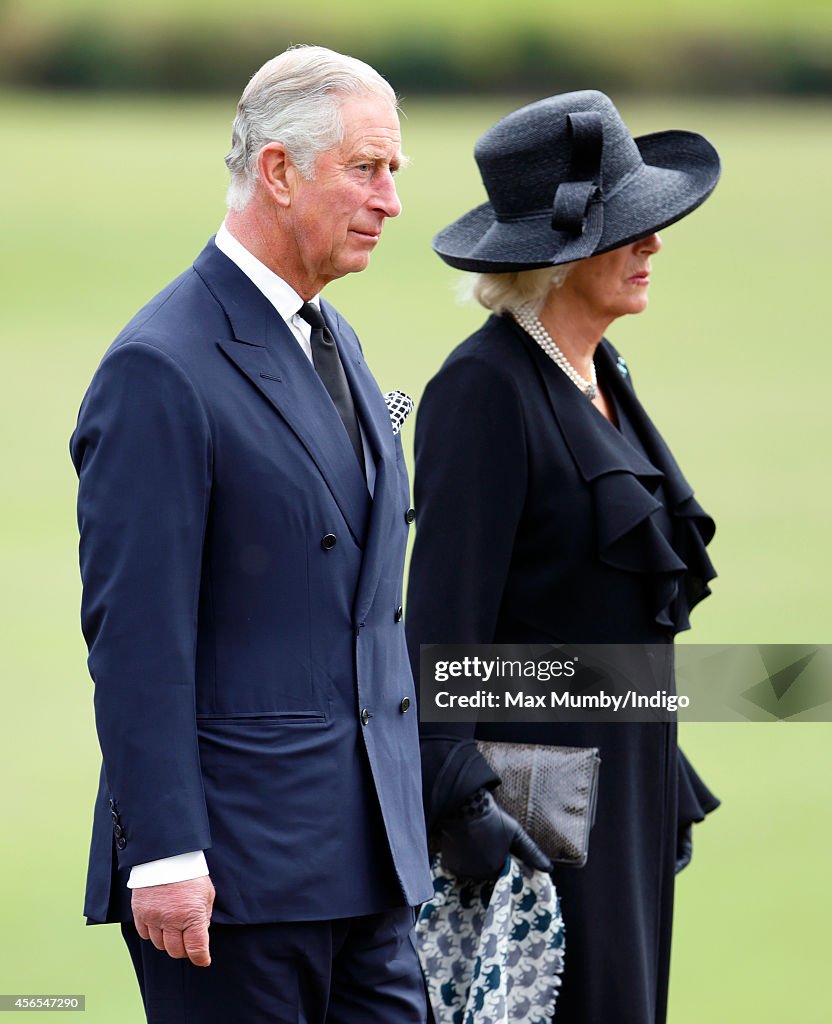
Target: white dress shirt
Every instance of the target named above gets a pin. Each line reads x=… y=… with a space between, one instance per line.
x=287 y=302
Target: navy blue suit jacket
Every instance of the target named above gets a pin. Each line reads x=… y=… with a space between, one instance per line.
x=233 y=650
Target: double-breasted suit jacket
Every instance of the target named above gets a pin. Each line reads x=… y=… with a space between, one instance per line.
x=242 y=609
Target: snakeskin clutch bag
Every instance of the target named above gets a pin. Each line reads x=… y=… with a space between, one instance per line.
x=551 y=791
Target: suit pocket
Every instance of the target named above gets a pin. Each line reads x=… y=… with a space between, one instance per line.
x=265 y=717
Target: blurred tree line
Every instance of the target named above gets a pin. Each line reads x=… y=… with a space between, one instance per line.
x=693 y=48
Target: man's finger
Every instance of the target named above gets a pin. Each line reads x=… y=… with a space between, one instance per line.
x=141 y=927
x=173 y=943
x=157 y=937
x=195 y=940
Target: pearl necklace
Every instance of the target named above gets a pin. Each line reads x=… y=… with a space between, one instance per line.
x=535 y=329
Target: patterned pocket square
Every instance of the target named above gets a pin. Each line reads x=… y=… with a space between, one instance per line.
x=400 y=406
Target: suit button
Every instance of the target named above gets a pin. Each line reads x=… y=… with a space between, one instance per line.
x=121 y=842
x=114 y=816
x=328 y=541
x=118 y=831
x=398 y=615
x=410 y=516
x=405 y=705
x=365 y=716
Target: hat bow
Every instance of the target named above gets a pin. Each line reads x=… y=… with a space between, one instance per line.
x=578 y=207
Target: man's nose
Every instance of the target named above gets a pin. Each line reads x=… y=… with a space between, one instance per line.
x=386 y=198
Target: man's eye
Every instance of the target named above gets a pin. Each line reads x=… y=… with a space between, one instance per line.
x=365 y=167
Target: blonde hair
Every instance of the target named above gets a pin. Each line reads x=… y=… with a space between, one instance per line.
x=502 y=293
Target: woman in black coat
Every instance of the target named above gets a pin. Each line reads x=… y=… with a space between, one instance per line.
x=549 y=509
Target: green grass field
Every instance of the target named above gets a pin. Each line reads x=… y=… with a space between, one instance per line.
x=105 y=201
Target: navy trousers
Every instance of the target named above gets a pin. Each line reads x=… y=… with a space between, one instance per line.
x=349 y=971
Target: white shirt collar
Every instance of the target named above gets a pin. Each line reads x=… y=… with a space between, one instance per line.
x=280 y=294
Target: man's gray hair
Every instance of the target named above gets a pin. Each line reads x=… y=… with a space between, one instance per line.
x=502 y=293
x=295 y=99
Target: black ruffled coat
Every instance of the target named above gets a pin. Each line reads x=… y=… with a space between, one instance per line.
x=540 y=521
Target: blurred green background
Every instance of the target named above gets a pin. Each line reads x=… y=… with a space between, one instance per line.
x=107 y=197
x=742 y=46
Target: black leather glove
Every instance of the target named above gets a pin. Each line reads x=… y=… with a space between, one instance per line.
x=477 y=839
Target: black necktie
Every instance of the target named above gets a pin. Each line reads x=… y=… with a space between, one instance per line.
x=328 y=364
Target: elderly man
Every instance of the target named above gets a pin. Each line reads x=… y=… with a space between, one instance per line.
x=243 y=509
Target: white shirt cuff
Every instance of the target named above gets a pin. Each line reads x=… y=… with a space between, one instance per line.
x=169 y=869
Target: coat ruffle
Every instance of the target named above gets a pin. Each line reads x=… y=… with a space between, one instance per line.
x=624 y=485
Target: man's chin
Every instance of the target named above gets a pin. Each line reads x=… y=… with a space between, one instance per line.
x=355 y=264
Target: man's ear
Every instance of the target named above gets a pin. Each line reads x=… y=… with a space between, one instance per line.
x=277 y=172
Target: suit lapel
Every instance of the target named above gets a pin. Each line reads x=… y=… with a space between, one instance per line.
x=375 y=418
x=264 y=350
x=369 y=402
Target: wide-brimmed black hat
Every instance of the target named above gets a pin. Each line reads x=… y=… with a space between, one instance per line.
x=566 y=180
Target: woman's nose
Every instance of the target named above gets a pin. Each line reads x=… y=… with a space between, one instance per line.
x=651 y=243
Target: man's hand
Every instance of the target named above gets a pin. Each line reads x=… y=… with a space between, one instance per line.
x=175 y=917
x=479 y=837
